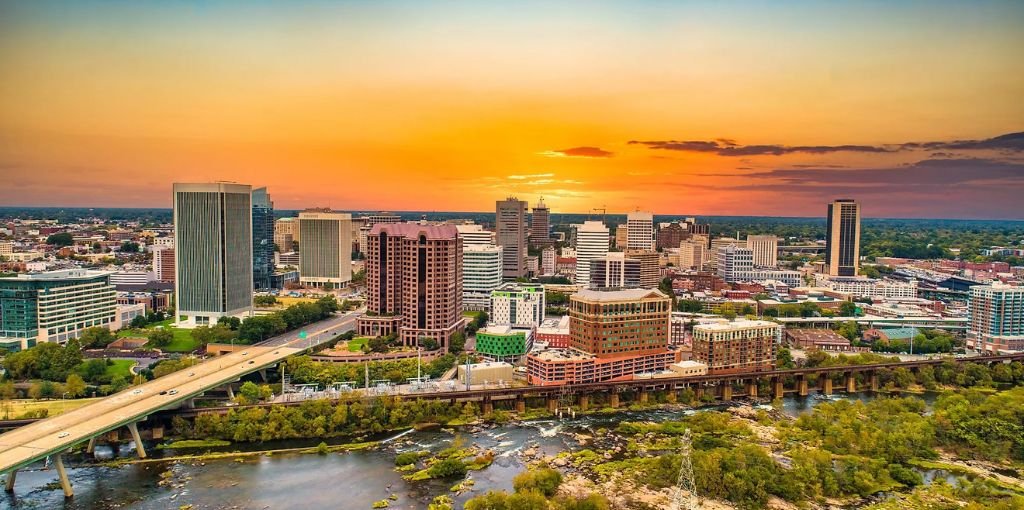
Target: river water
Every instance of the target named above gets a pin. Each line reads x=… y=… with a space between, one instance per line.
x=347 y=480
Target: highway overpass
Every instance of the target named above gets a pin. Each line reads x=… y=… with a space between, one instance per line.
x=874 y=321
x=54 y=436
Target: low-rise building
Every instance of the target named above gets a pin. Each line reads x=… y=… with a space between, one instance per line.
x=736 y=347
x=554 y=333
x=518 y=304
x=818 y=340
x=504 y=342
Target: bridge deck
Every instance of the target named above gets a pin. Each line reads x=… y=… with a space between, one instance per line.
x=30 y=443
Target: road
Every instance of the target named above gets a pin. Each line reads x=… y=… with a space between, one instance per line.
x=30 y=443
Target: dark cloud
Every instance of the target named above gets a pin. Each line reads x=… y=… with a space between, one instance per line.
x=1013 y=142
x=926 y=173
x=725 y=147
x=582 y=152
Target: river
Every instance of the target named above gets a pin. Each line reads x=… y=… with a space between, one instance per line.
x=347 y=480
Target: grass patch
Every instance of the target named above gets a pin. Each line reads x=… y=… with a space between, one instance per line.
x=182 y=342
x=356 y=344
x=194 y=443
x=12 y=409
x=471 y=313
x=121 y=367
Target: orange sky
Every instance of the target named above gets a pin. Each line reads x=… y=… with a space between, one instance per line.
x=450 y=106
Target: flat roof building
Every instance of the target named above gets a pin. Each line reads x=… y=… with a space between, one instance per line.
x=518 y=305
x=55 y=306
x=736 y=347
x=325 y=248
x=481 y=274
x=996 y=318
x=842 y=242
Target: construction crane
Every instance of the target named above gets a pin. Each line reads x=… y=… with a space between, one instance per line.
x=604 y=213
x=685 y=495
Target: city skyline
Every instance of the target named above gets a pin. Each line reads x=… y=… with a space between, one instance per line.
x=709 y=109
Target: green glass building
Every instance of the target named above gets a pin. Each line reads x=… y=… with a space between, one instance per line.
x=54 y=306
x=503 y=342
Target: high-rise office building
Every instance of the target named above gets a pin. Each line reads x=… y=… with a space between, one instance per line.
x=650 y=272
x=213 y=251
x=540 y=224
x=413 y=282
x=262 y=239
x=55 y=306
x=325 y=248
x=518 y=305
x=591 y=244
x=640 y=231
x=717 y=243
x=693 y=253
x=765 y=249
x=481 y=274
x=614 y=270
x=996 y=318
x=286 y=233
x=510 y=224
x=734 y=262
x=473 y=234
x=163 y=263
x=547 y=261
x=842 y=244
x=672 y=235
x=621 y=236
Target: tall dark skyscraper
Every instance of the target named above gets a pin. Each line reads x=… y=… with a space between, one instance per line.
x=510 y=224
x=262 y=239
x=540 y=224
x=842 y=244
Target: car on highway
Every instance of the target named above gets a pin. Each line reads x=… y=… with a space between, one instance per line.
x=190 y=374
x=163 y=392
x=245 y=353
x=137 y=392
x=251 y=362
x=63 y=435
x=172 y=392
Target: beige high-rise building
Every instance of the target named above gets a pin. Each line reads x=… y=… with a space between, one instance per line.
x=640 y=231
x=510 y=227
x=766 y=250
x=650 y=274
x=693 y=254
x=326 y=248
x=842 y=244
x=286 y=231
x=621 y=236
x=591 y=244
x=717 y=243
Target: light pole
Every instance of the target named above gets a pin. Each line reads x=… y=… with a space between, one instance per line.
x=62 y=401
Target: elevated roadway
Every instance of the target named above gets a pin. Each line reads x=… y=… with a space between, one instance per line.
x=53 y=436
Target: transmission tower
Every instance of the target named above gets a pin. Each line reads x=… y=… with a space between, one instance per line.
x=685 y=495
x=565 y=400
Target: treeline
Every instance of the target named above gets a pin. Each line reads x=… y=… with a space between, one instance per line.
x=261 y=327
x=534 y=489
x=303 y=370
x=319 y=418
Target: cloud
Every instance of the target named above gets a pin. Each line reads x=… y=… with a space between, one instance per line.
x=528 y=176
x=724 y=147
x=579 y=152
x=1012 y=142
x=928 y=173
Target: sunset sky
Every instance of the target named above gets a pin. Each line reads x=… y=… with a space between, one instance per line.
x=916 y=109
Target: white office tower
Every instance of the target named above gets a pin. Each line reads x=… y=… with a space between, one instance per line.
x=735 y=263
x=519 y=305
x=766 y=250
x=481 y=273
x=693 y=254
x=592 y=239
x=640 y=231
x=475 y=235
x=325 y=245
x=213 y=251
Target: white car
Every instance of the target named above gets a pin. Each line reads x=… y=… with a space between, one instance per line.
x=172 y=392
x=137 y=392
x=245 y=353
x=63 y=435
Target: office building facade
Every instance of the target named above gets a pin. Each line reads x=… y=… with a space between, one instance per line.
x=842 y=242
x=163 y=263
x=55 y=306
x=614 y=323
x=640 y=231
x=765 y=249
x=213 y=251
x=475 y=235
x=481 y=274
x=736 y=347
x=325 y=248
x=286 y=234
x=996 y=318
x=650 y=272
x=519 y=305
x=413 y=282
x=262 y=239
x=591 y=244
x=540 y=224
x=614 y=270
x=510 y=226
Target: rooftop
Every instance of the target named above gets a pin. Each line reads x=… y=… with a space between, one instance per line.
x=413 y=230
x=618 y=295
x=735 y=325
x=62 y=274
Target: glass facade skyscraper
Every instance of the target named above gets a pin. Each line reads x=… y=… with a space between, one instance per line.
x=262 y=239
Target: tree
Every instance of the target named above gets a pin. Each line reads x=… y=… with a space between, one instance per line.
x=160 y=337
x=429 y=344
x=727 y=311
x=544 y=480
x=457 y=342
x=232 y=323
x=96 y=337
x=448 y=468
x=61 y=239
x=139 y=322
x=847 y=309
x=249 y=392
x=129 y=247
x=74 y=385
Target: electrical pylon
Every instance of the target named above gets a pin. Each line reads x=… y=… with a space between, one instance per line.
x=685 y=494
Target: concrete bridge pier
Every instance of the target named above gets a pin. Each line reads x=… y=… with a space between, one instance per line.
x=9 y=486
x=91 y=447
x=698 y=393
x=520 y=405
x=644 y=396
x=488 y=406
x=584 y=402
x=874 y=380
x=779 y=387
x=139 y=448
x=263 y=375
x=552 y=405
x=752 y=388
x=230 y=390
x=801 y=385
x=65 y=483
x=672 y=397
x=613 y=400
x=851 y=383
x=727 y=392
x=826 y=385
